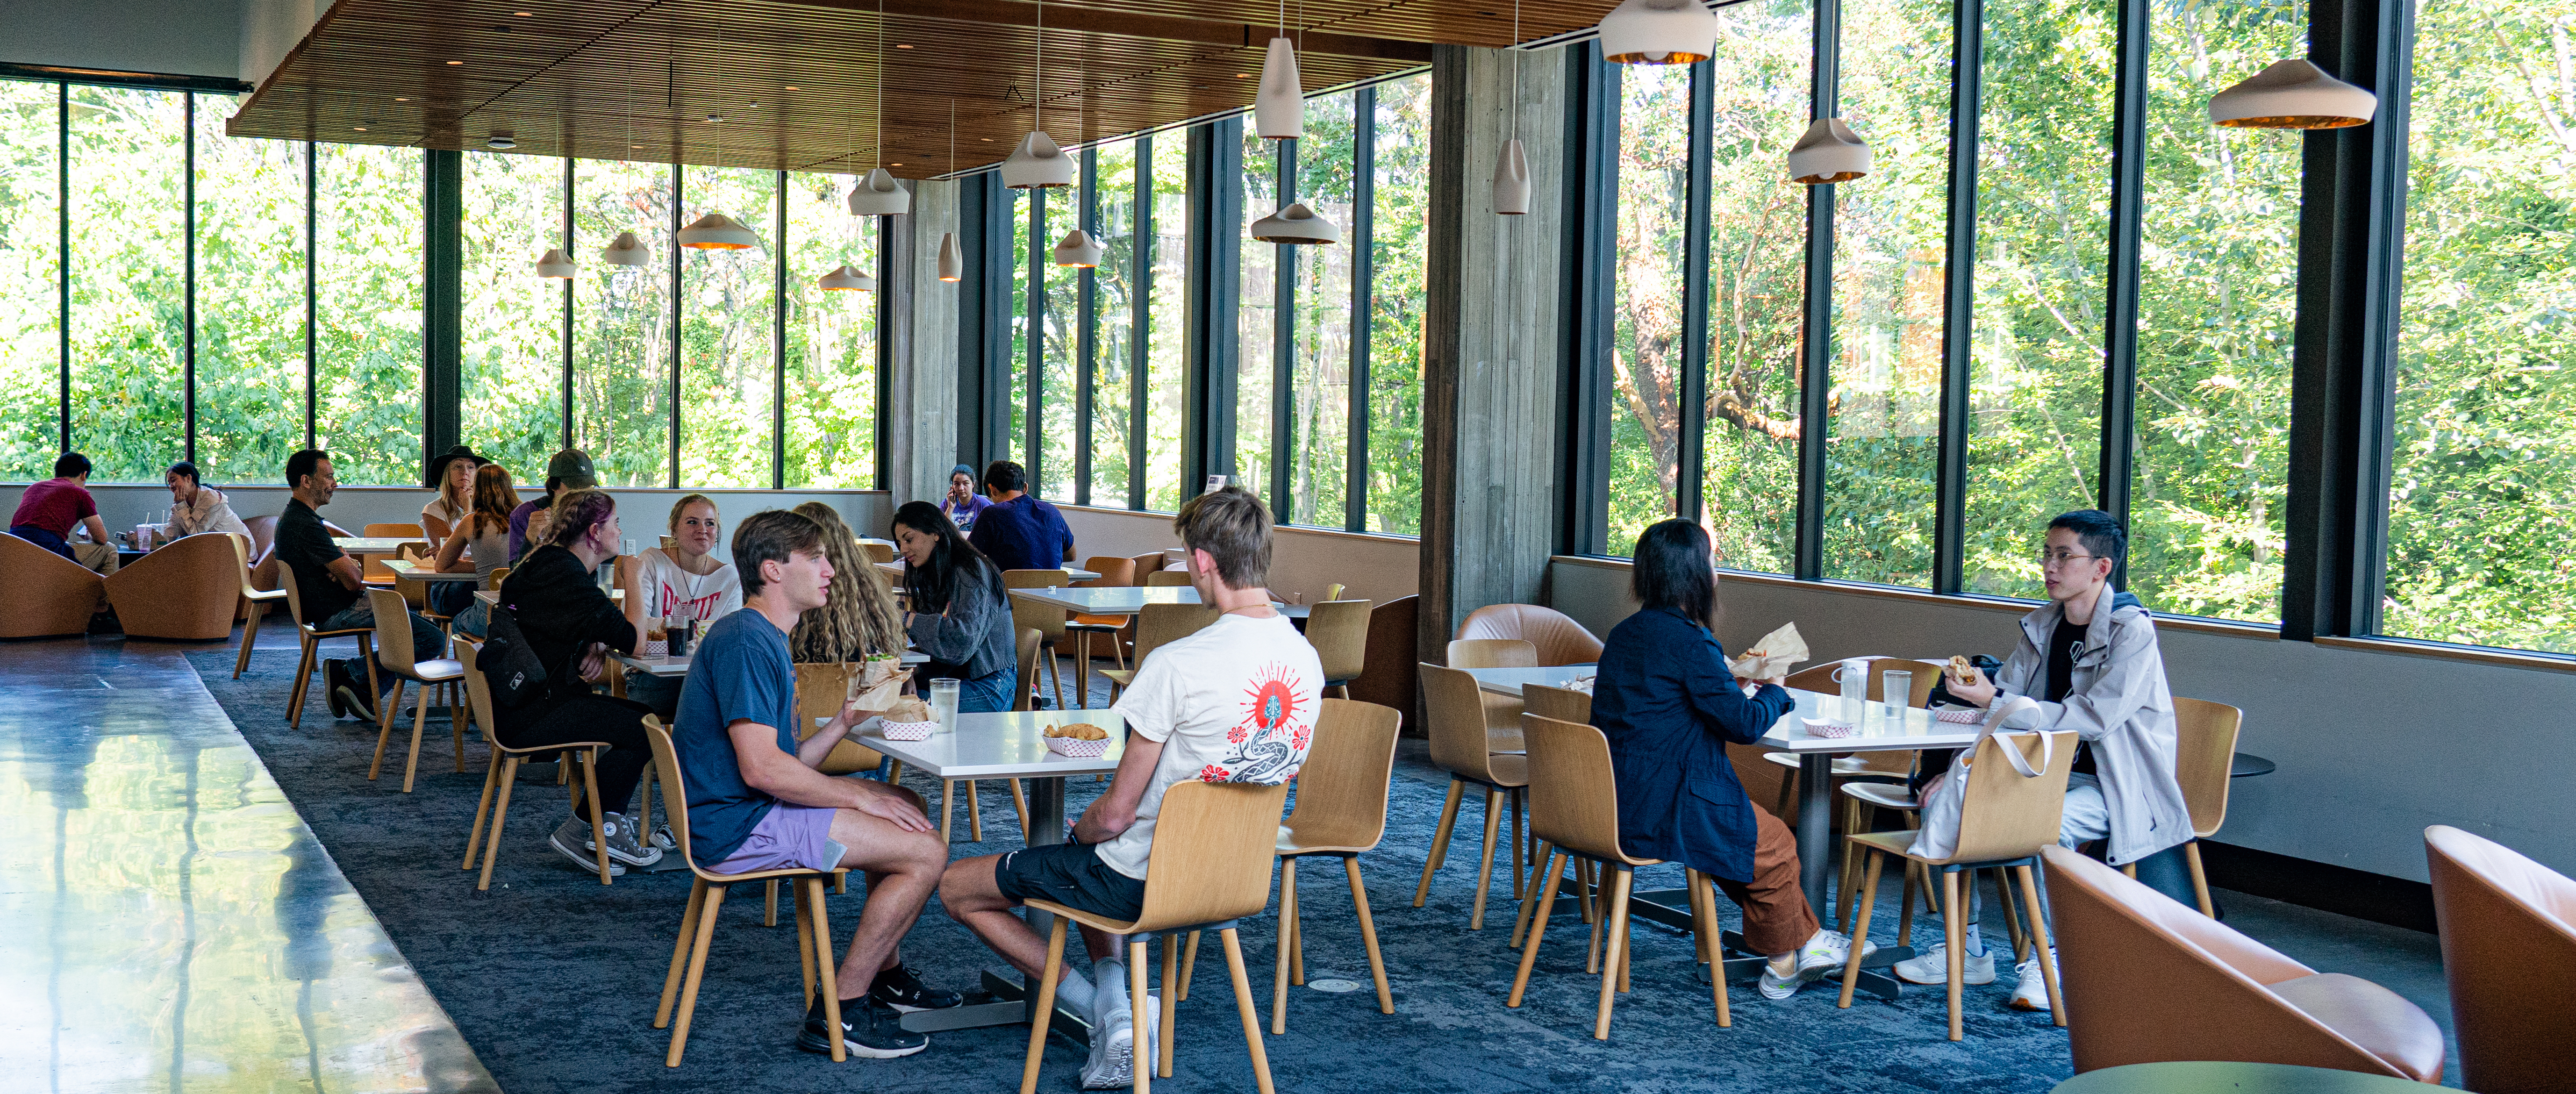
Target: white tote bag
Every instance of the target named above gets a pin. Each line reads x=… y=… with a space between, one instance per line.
x=1947 y=793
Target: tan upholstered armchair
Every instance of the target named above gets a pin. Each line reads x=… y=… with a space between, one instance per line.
x=2149 y=979
x=48 y=594
x=189 y=590
x=2509 y=950
x=1560 y=640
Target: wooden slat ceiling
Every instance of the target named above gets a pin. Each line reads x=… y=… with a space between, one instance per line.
x=792 y=86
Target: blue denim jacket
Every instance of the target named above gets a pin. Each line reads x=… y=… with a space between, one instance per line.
x=1669 y=706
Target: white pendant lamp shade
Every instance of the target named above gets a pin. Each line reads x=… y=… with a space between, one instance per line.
x=1658 y=32
x=1511 y=179
x=952 y=265
x=2292 y=94
x=1296 y=224
x=1279 y=106
x=1038 y=163
x=555 y=265
x=1829 y=152
x=846 y=279
x=626 y=251
x=1077 y=248
x=879 y=195
x=717 y=232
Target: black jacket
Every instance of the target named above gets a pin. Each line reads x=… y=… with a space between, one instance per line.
x=561 y=610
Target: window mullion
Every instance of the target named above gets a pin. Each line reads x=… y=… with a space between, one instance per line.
x=1363 y=273
x=1033 y=337
x=2120 y=322
x=1086 y=336
x=188 y=217
x=1816 y=343
x=1283 y=347
x=778 y=342
x=1959 y=302
x=1692 y=456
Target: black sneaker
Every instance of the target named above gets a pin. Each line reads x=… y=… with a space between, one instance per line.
x=869 y=1030
x=335 y=675
x=902 y=989
x=354 y=698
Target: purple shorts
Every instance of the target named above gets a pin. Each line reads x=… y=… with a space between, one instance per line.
x=788 y=837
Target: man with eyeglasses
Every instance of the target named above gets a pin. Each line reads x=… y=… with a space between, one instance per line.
x=2089 y=658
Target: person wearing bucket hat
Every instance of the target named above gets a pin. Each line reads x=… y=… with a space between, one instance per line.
x=452 y=475
x=963 y=504
x=570 y=469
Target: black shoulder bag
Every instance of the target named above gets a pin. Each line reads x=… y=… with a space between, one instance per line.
x=511 y=669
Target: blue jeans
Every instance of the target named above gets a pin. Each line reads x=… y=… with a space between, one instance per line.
x=428 y=643
x=985 y=694
x=43 y=537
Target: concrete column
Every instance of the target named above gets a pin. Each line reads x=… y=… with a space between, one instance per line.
x=1491 y=382
x=920 y=404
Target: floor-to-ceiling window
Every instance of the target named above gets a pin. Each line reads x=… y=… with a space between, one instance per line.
x=512 y=322
x=1116 y=305
x=31 y=257
x=622 y=322
x=1166 y=300
x=1399 y=212
x=831 y=381
x=370 y=274
x=1646 y=347
x=128 y=214
x=728 y=345
x=250 y=300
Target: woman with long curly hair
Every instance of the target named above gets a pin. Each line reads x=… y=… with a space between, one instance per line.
x=860 y=621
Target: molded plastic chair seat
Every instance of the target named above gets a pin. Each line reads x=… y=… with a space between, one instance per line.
x=255 y=601
x=1492 y=653
x=311 y=638
x=503 y=773
x=1884 y=795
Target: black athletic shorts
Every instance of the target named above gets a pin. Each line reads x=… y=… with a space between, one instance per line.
x=1070 y=874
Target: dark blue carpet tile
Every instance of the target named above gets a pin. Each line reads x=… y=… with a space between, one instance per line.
x=553 y=978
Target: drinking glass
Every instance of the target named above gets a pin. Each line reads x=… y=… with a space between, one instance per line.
x=1853 y=675
x=943 y=703
x=1897 y=690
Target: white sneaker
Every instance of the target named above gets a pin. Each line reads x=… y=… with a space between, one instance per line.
x=1114 y=1047
x=2032 y=992
x=1932 y=966
x=1823 y=954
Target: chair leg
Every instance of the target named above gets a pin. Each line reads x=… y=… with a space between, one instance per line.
x=1904 y=906
x=590 y=792
x=419 y=714
x=384 y=727
x=474 y=840
x=1849 y=875
x=250 y=636
x=1368 y=933
x=1440 y=839
x=1553 y=870
x=1612 y=967
x=769 y=912
x=1055 y=673
x=826 y=974
x=1171 y=1010
x=2199 y=880
x=1485 y=872
x=1600 y=920
x=1243 y=1006
x=1142 y=1065
x=1189 y=968
x=303 y=681
x=1521 y=922
x=894 y=777
x=1287 y=944
x=500 y=813
x=1045 y=1007
x=974 y=813
x=1954 y=921
x=2040 y=944
x=1519 y=883
x=1705 y=925
x=804 y=936
x=2012 y=915
x=1020 y=803
x=680 y=953
x=697 y=972
x=456 y=721
x=1860 y=926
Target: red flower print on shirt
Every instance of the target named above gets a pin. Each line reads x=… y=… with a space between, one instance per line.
x=1270 y=742
x=1214 y=774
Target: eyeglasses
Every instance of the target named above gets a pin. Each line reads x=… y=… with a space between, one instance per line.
x=2059 y=558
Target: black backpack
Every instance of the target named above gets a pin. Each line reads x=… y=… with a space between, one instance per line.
x=511 y=669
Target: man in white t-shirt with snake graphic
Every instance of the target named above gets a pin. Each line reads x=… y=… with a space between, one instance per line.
x=1235 y=702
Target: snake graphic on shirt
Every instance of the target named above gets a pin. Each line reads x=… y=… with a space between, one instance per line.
x=1270 y=744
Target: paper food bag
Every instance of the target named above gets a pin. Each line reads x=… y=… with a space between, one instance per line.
x=1772 y=656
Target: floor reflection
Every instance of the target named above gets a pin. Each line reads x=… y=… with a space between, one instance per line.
x=167 y=922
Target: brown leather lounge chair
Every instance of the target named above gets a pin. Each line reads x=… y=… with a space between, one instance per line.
x=2149 y=979
x=48 y=594
x=188 y=590
x=1560 y=640
x=2509 y=950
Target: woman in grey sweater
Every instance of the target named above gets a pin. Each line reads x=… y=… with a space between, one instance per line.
x=960 y=616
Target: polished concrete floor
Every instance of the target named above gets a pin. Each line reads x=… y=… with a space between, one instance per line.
x=167 y=921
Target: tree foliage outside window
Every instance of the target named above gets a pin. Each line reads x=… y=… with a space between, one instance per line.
x=1257 y=318
x=370 y=278
x=31 y=257
x=129 y=280
x=1646 y=351
x=1167 y=346
x=1113 y=295
x=728 y=305
x=513 y=320
x=1059 y=331
x=622 y=324
x=250 y=300
x=1318 y=446
x=1399 y=228
x=831 y=339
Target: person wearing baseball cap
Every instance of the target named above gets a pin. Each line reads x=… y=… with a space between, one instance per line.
x=570 y=469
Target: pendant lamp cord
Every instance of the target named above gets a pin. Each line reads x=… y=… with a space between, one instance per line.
x=952 y=138
x=1037 y=95
x=1516 y=69
x=876 y=155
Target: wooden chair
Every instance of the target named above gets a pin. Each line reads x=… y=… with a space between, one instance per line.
x=377 y=573
x=1341 y=812
x=395 y=655
x=1338 y=629
x=1168 y=579
x=820 y=688
x=1558 y=639
x=2508 y=927
x=1883 y=764
x=1114 y=573
x=706 y=898
x=2204 y=752
x=255 y=603
x=503 y=772
x=1464 y=745
x=1048 y=621
x=1574 y=805
x=1157 y=625
x=878 y=552
x=1209 y=867
x=2005 y=820
x=48 y=594
x=1492 y=653
x=1564 y=705
x=311 y=638
x=1151 y=562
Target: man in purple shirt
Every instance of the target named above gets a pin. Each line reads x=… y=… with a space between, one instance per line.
x=1019 y=532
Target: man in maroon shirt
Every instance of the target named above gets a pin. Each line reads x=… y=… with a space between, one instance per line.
x=49 y=510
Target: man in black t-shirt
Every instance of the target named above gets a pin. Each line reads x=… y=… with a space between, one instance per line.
x=330 y=585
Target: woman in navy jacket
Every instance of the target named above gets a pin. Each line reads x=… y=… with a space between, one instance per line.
x=1669 y=706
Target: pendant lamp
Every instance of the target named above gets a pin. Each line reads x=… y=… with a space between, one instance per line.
x=1037 y=162
x=2292 y=94
x=1296 y=224
x=879 y=195
x=1828 y=152
x=846 y=279
x=717 y=232
x=1658 y=32
x=1511 y=165
x=952 y=265
x=626 y=251
x=555 y=265
x=1279 y=106
x=1077 y=248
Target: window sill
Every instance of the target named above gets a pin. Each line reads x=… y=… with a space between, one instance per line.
x=1301 y=529
x=2483 y=655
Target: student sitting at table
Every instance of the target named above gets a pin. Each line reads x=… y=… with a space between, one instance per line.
x=963 y=504
x=480 y=542
x=1669 y=707
x=452 y=475
x=1188 y=719
x=570 y=469
x=572 y=627
x=49 y=510
x=756 y=801
x=688 y=581
x=2091 y=660
x=330 y=586
x=195 y=508
x=961 y=614
x=1017 y=531
x=861 y=620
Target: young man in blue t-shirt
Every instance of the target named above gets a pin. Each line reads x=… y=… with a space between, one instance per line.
x=756 y=801
x=1017 y=531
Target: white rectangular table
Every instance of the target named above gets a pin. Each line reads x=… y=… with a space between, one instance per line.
x=1071 y=573
x=1510 y=681
x=664 y=665
x=412 y=571
x=1130 y=599
x=374 y=545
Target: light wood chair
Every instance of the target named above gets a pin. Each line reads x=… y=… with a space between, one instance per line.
x=1574 y=805
x=376 y=573
x=503 y=772
x=394 y=654
x=1341 y=812
x=1163 y=579
x=706 y=898
x=1158 y=625
x=1492 y=653
x=1564 y=705
x=2204 y=754
x=1149 y=563
x=878 y=552
x=1048 y=621
x=311 y=638
x=1464 y=744
x=1114 y=573
x=1338 y=629
x=255 y=602
x=1210 y=866
x=2004 y=821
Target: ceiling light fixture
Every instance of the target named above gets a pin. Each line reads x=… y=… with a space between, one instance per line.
x=1038 y=162
x=1658 y=32
x=879 y=195
x=1511 y=165
x=952 y=265
x=1828 y=152
x=846 y=279
x=627 y=250
x=501 y=141
x=1077 y=249
x=1296 y=224
x=2292 y=94
x=717 y=232
x=455 y=62
x=900 y=45
x=554 y=264
x=1279 y=104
